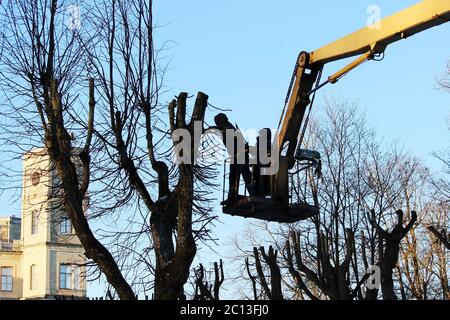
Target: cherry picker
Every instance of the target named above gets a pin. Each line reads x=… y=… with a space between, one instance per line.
x=269 y=197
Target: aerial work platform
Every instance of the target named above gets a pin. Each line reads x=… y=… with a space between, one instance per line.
x=283 y=196
x=265 y=209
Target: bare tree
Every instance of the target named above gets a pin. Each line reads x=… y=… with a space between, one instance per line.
x=442 y=184
x=41 y=66
x=333 y=255
x=326 y=252
x=44 y=63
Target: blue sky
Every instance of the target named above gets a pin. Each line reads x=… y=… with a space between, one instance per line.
x=241 y=53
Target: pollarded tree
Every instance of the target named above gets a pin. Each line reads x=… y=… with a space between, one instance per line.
x=143 y=138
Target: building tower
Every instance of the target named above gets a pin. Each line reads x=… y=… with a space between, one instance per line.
x=52 y=257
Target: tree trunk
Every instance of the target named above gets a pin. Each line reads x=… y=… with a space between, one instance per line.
x=58 y=144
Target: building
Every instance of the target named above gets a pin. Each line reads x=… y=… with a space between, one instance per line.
x=40 y=256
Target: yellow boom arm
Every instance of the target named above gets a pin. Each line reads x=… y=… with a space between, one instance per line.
x=403 y=24
x=365 y=42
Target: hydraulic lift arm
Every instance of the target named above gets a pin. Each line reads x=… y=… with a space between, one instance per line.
x=275 y=202
x=365 y=42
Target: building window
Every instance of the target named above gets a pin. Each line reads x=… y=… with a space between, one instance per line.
x=7 y=279
x=69 y=277
x=34 y=221
x=33 y=277
x=65 y=226
x=65 y=276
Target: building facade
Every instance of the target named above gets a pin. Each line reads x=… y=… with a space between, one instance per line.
x=40 y=256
